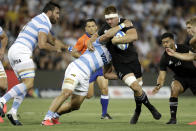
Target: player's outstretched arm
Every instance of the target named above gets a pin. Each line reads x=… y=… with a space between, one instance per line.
x=109 y=72
x=90 y=42
x=43 y=43
x=160 y=82
x=4 y=41
x=75 y=53
x=111 y=32
x=131 y=35
x=182 y=56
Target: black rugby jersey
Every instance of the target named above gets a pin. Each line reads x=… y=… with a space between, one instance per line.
x=118 y=55
x=179 y=67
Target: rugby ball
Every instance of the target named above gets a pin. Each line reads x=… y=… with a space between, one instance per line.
x=121 y=46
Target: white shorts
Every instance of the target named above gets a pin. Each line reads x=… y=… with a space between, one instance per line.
x=20 y=58
x=2 y=71
x=76 y=80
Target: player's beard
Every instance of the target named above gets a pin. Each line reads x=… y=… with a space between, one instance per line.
x=52 y=20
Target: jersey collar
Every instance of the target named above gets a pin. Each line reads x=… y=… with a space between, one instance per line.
x=45 y=16
x=88 y=34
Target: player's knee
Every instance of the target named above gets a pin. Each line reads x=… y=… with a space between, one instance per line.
x=66 y=93
x=29 y=82
x=104 y=91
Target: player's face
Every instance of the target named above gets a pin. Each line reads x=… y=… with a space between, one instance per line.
x=193 y=29
x=91 y=28
x=55 y=15
x=112 y=22
x=168 y=43
x=189 y=29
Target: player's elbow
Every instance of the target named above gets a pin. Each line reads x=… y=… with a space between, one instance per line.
x=41 y=45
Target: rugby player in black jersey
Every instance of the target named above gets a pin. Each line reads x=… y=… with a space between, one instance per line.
x=125 y=62
x=191 y=29
x=184 y=73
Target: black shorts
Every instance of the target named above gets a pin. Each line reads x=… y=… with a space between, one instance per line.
x=123 y=69
x=187 y=82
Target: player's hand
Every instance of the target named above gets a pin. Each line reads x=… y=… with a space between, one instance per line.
x=128 y=23
x=170 y=51
x=1 y=53
x=90 y=46
x=114 y=40
x=156 y=89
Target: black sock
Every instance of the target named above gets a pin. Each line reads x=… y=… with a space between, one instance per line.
x=173 y=102
x=144 y=99
x=138 y=105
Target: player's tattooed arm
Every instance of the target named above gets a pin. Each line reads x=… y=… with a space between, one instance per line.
x=109 y=72
x=44 y=44
x=160 y=81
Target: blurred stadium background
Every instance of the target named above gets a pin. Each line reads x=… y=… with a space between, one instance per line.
x=150 y=17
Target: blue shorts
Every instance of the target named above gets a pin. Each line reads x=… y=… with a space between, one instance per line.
x=94 y=75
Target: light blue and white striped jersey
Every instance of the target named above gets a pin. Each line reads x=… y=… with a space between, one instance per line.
x=91 y=61
x=1 y=31
x=28 y=36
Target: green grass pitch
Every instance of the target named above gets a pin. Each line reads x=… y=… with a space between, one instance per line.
x=32 y=112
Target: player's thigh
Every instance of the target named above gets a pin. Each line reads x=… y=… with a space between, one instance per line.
x=90 y=90
x=102 y=82
x=77 y=100
x=177 y=87
x=21 y=61
x=3 y=83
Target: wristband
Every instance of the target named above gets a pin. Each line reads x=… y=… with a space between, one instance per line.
x=70 y=48
x=122 y=25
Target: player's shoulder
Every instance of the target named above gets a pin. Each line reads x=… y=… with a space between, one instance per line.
x=183 y=48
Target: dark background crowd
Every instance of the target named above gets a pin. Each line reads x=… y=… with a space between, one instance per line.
x=151 y=18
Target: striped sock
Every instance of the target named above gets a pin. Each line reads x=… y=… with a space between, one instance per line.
x=56 y=115
x=104 y=102
x=49 y=115
x=17 y=102
x=17 y=90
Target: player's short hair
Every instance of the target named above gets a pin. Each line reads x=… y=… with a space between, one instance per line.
x=89 y=20
x=167 y=34
x=188 y=22
x=50 y=6
x=110 y=10
x=193 y=21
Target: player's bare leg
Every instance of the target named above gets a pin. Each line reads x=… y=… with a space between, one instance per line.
x=56 y=104
x=176 y=89
x=74 y=104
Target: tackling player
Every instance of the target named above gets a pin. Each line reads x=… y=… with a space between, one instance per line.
x=81 y=46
